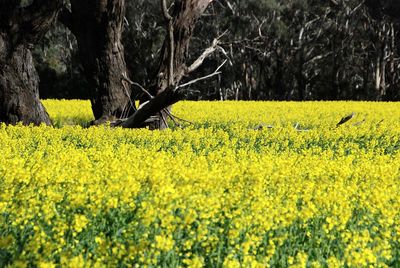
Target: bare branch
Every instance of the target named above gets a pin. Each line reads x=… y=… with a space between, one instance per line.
x=158 y=103
x=139 y=86
x=207 y=52
x=216 y=72
x=126 y=78
x=345 y=119
x=164 y=7
x=260 y=34
x=176 y=117
x=199 y=61
x=171 y=52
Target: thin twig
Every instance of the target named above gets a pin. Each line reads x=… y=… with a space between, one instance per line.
x=172 y=117
x=132 y=104
x=180 y=119
x=139 y=86
x=143 y=89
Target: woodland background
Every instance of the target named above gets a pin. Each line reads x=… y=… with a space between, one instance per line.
x=276 y=50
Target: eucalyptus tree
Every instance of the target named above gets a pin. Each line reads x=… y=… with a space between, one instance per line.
x=98 y=26
x=21 y=26
x=165 y=89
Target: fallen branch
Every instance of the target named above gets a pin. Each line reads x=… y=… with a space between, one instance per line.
x=126 y=110
x=262 y=126
x=345 y=119
x=360 y=123
x=180 y=119
x=168 y=97
x=172 y=68
x=216 y=72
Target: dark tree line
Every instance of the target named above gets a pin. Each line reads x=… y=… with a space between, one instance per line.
x=115 y=51
x=307 y=50
x=277 y=50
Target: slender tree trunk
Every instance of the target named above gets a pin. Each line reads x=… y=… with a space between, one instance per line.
x=98 y=26
x=279 y=80
x=20 y=28
x=301 y=81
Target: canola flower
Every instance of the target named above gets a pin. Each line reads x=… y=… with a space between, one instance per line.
x=214 y=194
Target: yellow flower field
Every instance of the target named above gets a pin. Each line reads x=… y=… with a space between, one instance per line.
x=221 y=192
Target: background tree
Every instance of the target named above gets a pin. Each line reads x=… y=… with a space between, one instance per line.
x=98 y=26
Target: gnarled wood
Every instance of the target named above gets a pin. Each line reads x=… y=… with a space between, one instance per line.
x=97 y=26
x=184 y=18
x=20 y=28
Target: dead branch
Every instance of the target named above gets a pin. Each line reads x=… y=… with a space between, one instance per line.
x=172 y=68
x=172 y=117
x=168 y=97
x=131 y=103
x=345 y=119
x=216 y=72
x=206 y=53
x=263 y=126
x=180 y=119
x=199 y=61
x=139 y=86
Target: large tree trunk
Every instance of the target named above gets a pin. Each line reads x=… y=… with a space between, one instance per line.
x=173 y=66
x=19 y=82
x=97 y=26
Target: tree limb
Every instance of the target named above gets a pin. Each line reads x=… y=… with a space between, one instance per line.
x=216 y=72
x=152 y=107
x=168 y=97
x=199 y=61
x=171 y=44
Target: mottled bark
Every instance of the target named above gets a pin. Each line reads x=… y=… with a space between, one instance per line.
x=98 y=27
x=20 y=28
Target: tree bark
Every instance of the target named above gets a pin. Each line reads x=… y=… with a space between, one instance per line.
x=185 y=15
x=20 y=28
x=183 y=20
x=98 y=26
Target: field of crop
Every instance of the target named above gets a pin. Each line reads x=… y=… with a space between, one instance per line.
x=220 y=192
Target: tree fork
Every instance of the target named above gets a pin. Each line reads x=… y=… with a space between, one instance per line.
x=172 y=68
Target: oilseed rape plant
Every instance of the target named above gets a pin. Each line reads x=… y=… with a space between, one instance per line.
x=247 y=184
